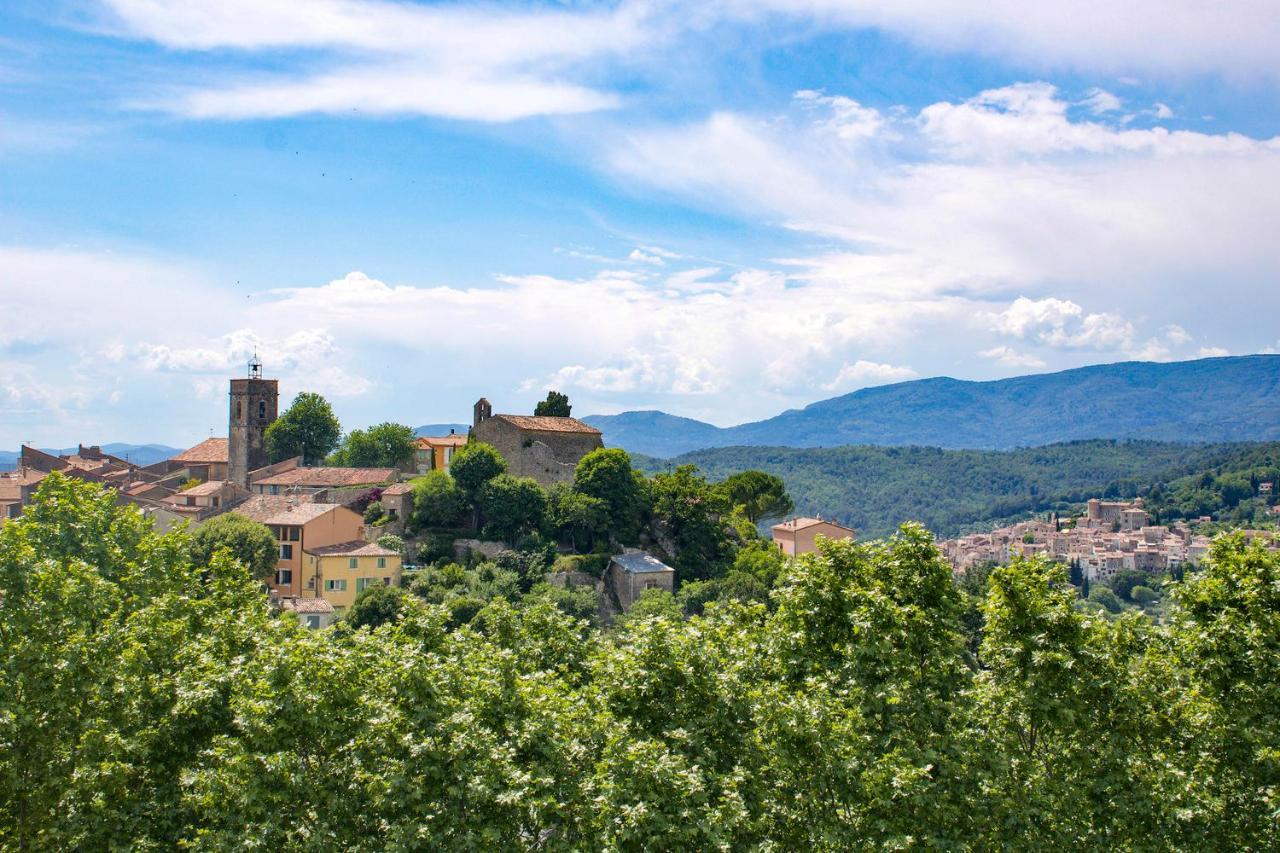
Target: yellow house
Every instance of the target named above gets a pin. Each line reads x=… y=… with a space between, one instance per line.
x=435 y=453
x=338 y=573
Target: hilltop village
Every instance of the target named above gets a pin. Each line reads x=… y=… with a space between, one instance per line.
x=341 y=529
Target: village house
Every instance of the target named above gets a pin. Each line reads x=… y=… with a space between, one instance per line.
x=435 y=453
x=312 y=613
x=313 y=481
x=545 y=448
x=298 y=525
x=206 y=498
x=397 y=503
x=630 y=574
x=207 y=461
x=799 y=535
x=339 y=572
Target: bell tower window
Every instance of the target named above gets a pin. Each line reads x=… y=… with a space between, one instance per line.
x=262 y=410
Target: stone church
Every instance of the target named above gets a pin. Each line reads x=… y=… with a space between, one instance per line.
x=544 y=448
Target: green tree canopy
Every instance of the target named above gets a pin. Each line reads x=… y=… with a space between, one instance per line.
x=374 y=606
x=247 y=540
x=308 y=428
x=687 y=512
x=437 y=501
x=475 y=464
x=385 y=445
x=145 y=706
x=761 y=496
x=606 y=474
x=512 y=506
x=556 y=405
x=578 y=519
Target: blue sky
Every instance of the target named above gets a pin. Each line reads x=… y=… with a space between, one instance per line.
x=721 y=209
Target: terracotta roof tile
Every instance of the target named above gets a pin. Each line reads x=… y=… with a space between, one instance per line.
x=306 y=605
x=803 y=523
x=209 y=450
x=279 y=509
x=357 y=548
x=454 y=440
x=543 y=423
x=330 y=477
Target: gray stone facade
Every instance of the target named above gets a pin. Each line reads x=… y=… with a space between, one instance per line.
x=544 y=448
x=254 y=406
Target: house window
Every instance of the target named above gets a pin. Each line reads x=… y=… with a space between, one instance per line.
x=364 y=583
x=191 y=501
x=313 y=621
x=386 y=581
x=286 y=552
x=382 y=562
x=335 y=586
x=215 y=501
x=275 y=490
x=353 y=563
x=262 y=410
x=294 y=532
x=284 y=577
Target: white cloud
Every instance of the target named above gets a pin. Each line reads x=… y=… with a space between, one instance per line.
x=1009 y=357
x=641 y=257
x=1174 y=37
x=862 y=373
x=1212 y=352
x=380 y=58
x=1175 y=334
x=1099 y=101
x=1062 y=324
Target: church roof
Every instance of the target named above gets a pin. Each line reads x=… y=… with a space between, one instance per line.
x=544 y=423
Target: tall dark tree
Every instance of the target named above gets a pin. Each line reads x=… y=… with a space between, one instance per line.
x=761 y=496
x=308 y=428
x=556 y=405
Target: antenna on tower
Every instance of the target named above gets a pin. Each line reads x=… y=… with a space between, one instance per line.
x=255 y=366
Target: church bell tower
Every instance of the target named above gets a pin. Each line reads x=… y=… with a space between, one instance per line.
x=254 y=406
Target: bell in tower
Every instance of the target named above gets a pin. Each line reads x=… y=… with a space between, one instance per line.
x=254 y=406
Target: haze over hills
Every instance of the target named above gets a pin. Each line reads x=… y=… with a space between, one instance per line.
x=141 y=454
x=1206 y=400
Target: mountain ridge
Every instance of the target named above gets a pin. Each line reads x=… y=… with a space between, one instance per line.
x=1228 y=398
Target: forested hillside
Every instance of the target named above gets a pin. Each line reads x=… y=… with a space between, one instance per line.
x=149 y=699
x=1211 y=399
x=874 y=489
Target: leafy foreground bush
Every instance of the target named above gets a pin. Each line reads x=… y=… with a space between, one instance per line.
x=149 y=703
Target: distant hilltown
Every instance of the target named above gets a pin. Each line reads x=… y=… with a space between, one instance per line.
x=1111 y=537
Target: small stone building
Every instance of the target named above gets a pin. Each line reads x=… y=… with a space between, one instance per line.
x=799 y=535
x=629 y=575
x=311 y=612
x=544 y=448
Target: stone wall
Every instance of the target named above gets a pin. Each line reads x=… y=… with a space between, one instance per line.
x=548 y=457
